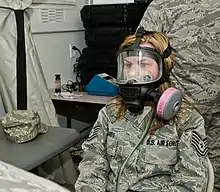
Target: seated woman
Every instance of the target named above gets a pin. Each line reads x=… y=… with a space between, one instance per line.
x=148 y=138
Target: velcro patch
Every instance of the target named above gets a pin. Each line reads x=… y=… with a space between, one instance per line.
x=199 y=144
x=93 y=133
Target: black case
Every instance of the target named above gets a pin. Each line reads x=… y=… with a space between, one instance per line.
x=112 y=15
x=106 y=27
x=107 y=37
x=93 y=58
x=95 y=61
x=87 y=75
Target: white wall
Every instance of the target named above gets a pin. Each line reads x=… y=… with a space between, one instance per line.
x=53 y=50
x=53 y=47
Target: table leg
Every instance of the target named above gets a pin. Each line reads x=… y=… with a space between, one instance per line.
x=68 y=120
x=35 y=171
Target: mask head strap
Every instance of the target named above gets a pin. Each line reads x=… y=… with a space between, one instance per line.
x=139 y=35
x=167 y=52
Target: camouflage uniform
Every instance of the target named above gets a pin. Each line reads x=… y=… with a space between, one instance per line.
x=172 y=159
x=193 y=28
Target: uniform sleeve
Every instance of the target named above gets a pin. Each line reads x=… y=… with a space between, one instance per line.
x=191 y=170
x=94 y=167
x=155 y=17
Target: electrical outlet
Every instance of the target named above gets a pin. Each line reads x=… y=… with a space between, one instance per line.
x=72 y=53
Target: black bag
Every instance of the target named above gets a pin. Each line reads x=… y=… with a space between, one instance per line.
x=112 y=15
x=107 y=37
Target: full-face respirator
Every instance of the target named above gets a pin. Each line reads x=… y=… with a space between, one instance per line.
x=140 y=73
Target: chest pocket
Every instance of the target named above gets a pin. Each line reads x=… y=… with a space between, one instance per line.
x=111 y=145
x=159 y=155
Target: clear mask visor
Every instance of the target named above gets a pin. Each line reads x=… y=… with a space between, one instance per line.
x=138 y=67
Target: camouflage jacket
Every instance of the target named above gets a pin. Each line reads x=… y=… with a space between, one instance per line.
x=193 y=28
x=167 y=161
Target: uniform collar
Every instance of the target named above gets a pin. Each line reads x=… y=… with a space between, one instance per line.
x=139 y=120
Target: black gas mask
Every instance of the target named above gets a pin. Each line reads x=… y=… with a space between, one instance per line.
x=140 y=73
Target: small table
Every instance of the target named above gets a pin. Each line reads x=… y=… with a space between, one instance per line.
x=84 y=108
x=30 y=155
x=85 y=98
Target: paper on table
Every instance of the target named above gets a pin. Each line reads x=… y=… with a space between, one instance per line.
x=67 y=2
x=68 y=95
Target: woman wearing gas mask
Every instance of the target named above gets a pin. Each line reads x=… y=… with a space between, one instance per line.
x=148 y=138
